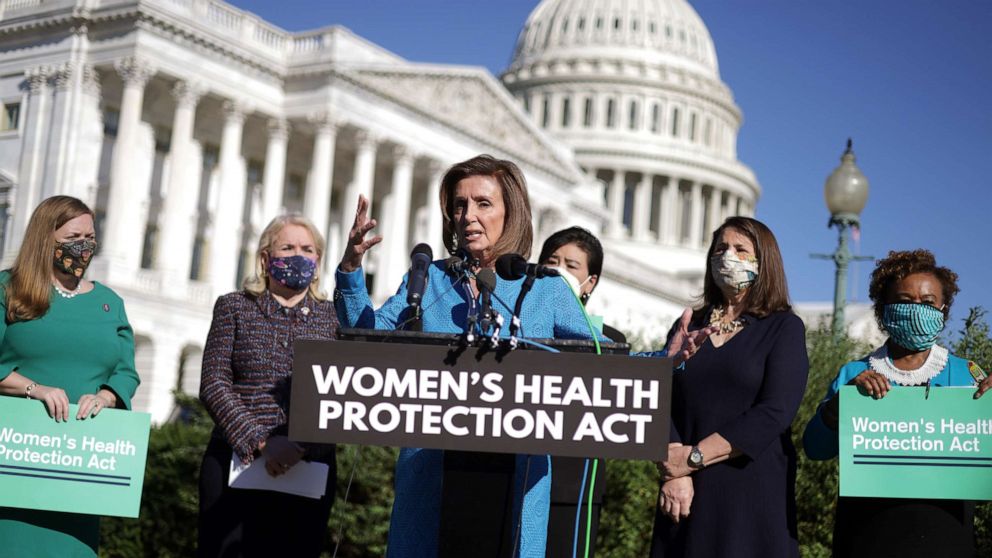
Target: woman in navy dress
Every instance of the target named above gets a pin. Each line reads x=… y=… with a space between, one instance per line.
x=728 y=486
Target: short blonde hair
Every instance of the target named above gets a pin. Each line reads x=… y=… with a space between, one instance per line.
x=258 y=282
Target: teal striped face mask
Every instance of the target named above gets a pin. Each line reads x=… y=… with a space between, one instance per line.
x=913 y=326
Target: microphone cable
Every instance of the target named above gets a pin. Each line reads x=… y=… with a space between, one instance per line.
x=595 y=461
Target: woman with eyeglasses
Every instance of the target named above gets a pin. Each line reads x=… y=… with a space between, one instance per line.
x=912 y=299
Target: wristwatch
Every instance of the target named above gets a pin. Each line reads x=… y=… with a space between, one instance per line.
x=695 y=458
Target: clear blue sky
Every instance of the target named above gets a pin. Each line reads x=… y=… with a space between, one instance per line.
x=909 y=80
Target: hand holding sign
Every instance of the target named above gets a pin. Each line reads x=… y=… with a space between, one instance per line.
x=55 y=400
x=872 y=383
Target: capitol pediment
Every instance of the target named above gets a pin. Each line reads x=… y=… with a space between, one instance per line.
x=471 y=101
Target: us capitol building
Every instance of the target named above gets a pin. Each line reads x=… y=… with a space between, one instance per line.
x=189 y=124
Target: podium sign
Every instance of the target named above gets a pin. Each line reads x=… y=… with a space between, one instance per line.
x=907 y=445
x=94 y=466
x=528 y=402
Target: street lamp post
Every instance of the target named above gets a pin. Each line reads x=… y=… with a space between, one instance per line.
x=846 y=192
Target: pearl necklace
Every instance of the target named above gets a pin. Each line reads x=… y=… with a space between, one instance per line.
x=716 y=319
x=880 y=362
x=65 y=293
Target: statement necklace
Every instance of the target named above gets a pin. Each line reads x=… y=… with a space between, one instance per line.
x=716 y=319
x=65 y=293
x=880 y=362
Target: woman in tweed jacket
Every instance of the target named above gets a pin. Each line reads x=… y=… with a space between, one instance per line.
x=245 y=386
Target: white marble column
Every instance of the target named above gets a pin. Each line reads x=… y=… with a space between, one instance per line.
x=713 y=212
x=393 y=256
x=432 y=205
x=615 y=205
x=127 y=203
x=362 y=180
x=696 y=215
x=275 y=169
x=27 y=195
x=732 y=200
x=642 y=208
x=317 y=201
x=671 y=212
x=227 y=218
x=179 y=214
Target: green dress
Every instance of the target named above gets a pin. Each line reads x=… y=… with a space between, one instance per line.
x=81 y=345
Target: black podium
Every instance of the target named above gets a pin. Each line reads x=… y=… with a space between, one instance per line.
x=478 y=487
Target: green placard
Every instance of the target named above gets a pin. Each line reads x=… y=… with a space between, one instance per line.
x=913 y=445
x=94 y=466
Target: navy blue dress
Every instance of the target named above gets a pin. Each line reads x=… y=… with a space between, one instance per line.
x=748 y=390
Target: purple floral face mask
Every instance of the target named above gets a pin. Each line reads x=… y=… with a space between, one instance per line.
x=294 y=272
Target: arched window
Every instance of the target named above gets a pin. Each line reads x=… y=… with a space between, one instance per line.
x=692 y=127
x=546 y=111
x=656 y=118
x=675 y=122
x=634 y=116
x=587 y=113
x=566 y=112
x=611 y=116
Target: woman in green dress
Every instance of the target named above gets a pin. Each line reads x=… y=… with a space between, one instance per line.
x=63 y=340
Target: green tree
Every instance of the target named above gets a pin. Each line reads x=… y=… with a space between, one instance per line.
x=975 y=344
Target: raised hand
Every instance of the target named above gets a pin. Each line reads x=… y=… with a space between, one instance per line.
x=357 y=245
x=685 y=343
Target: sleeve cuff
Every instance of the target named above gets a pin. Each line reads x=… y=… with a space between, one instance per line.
x=4 y=372
x=350 y=281
x=819 y=442
x=123 y=388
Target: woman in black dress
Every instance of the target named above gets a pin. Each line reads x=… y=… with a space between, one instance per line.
x=728 y=486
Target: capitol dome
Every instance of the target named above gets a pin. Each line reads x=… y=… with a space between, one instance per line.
x=633 y=87
x=664 y=33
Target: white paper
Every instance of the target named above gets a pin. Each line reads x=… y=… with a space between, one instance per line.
x=306 y=478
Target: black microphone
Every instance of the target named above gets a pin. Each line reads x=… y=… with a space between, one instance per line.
x=420 y=261
x=486 y=281
x=513 y=266
x=456 y=266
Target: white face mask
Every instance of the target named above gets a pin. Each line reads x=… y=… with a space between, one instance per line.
x=572 y=280
x=733 y=274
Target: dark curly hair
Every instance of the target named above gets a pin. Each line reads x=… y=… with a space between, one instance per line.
x=899 y=265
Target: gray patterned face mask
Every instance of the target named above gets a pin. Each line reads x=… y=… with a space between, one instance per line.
x=733 y=274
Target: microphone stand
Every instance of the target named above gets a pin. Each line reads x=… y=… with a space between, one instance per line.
x=515 y=319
